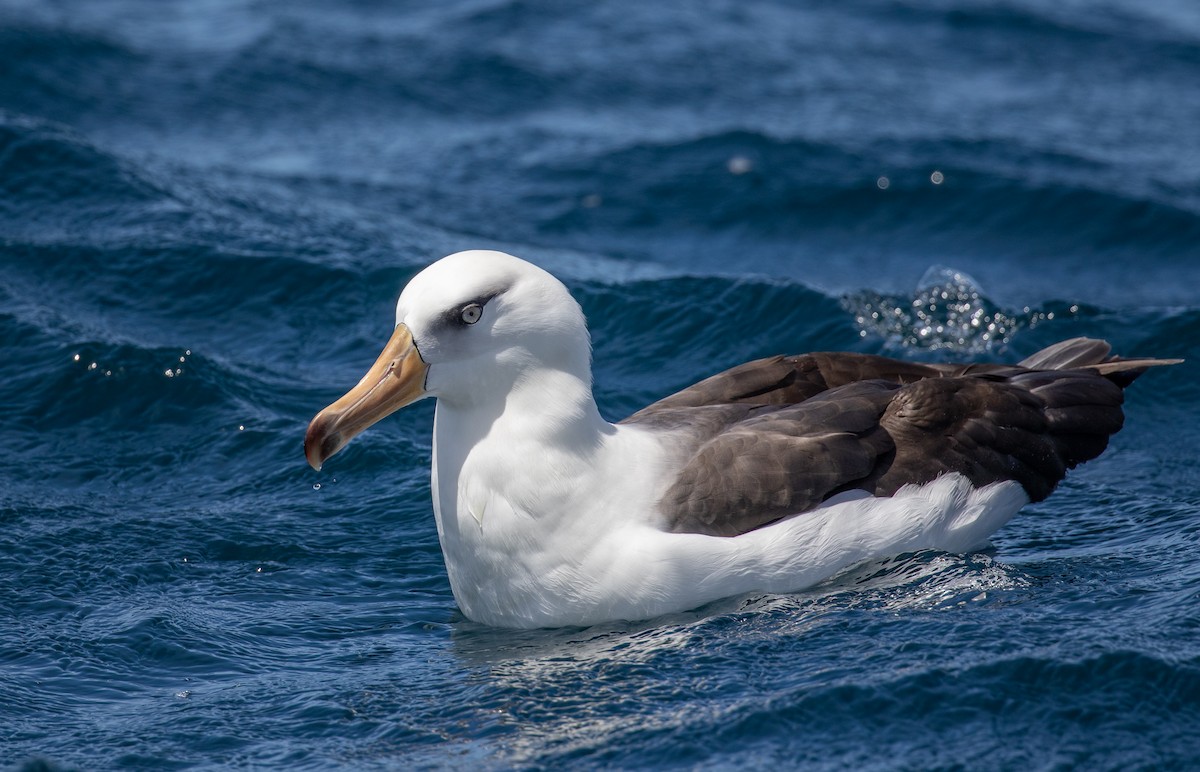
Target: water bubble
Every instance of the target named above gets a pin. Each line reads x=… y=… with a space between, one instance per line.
x=937 y=178
x=739 y=164
x=316 y=486
x=169 y=373
x=76 y=357
x=183 y=695
x=241 y=427
x=882 y=183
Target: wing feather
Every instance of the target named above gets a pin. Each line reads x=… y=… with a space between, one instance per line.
x=775 y=437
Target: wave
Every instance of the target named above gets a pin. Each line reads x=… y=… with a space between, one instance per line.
x=1137 y=29
x=385 y=72
x=744 y=186
x=676 y=330
x=1134 y=696
x=61 y=69
x=52 y=179
x=99 y=248
x=1121 y=707
x=789 y=186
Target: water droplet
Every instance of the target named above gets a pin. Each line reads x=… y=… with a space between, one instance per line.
x=739 y=164
x=241 y=427
x=183 y=695
x=76 y=357
x=93 y=366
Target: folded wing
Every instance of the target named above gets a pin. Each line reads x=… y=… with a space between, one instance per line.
x=776 y=437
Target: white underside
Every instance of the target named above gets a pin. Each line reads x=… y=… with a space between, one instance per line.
x=582 y=547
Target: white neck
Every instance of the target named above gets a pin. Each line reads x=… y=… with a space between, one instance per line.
x=524 y=443
x=506 y=481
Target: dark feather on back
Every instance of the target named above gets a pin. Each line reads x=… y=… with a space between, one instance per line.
x=776 y=437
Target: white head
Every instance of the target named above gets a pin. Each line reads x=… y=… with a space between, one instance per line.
x=470 y=329
x=481 y=320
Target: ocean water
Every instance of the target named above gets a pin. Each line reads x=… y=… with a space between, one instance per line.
x=207 y=209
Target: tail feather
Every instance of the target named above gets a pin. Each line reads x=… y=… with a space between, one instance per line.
x=1069 y=355
x=1091 y=354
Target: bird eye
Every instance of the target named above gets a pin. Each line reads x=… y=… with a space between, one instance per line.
x=471 y=313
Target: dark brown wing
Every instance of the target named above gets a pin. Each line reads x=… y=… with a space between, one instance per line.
x=778 y=436
x=787 y=380
x=1030 y=427
x=776 y=461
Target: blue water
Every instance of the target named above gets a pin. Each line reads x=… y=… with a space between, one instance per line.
x=208 y=208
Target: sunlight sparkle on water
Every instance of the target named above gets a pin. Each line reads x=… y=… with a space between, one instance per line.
x=947 y=311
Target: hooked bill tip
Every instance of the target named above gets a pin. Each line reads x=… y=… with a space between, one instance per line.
x=319 y=442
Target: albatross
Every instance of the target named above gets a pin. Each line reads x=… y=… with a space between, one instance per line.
x=768 y=477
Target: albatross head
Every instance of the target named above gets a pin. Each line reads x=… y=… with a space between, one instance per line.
x=469 y=329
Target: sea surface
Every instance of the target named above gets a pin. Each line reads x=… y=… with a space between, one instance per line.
x=207 y=209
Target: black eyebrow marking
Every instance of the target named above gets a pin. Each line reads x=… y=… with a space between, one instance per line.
x=452 y=317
